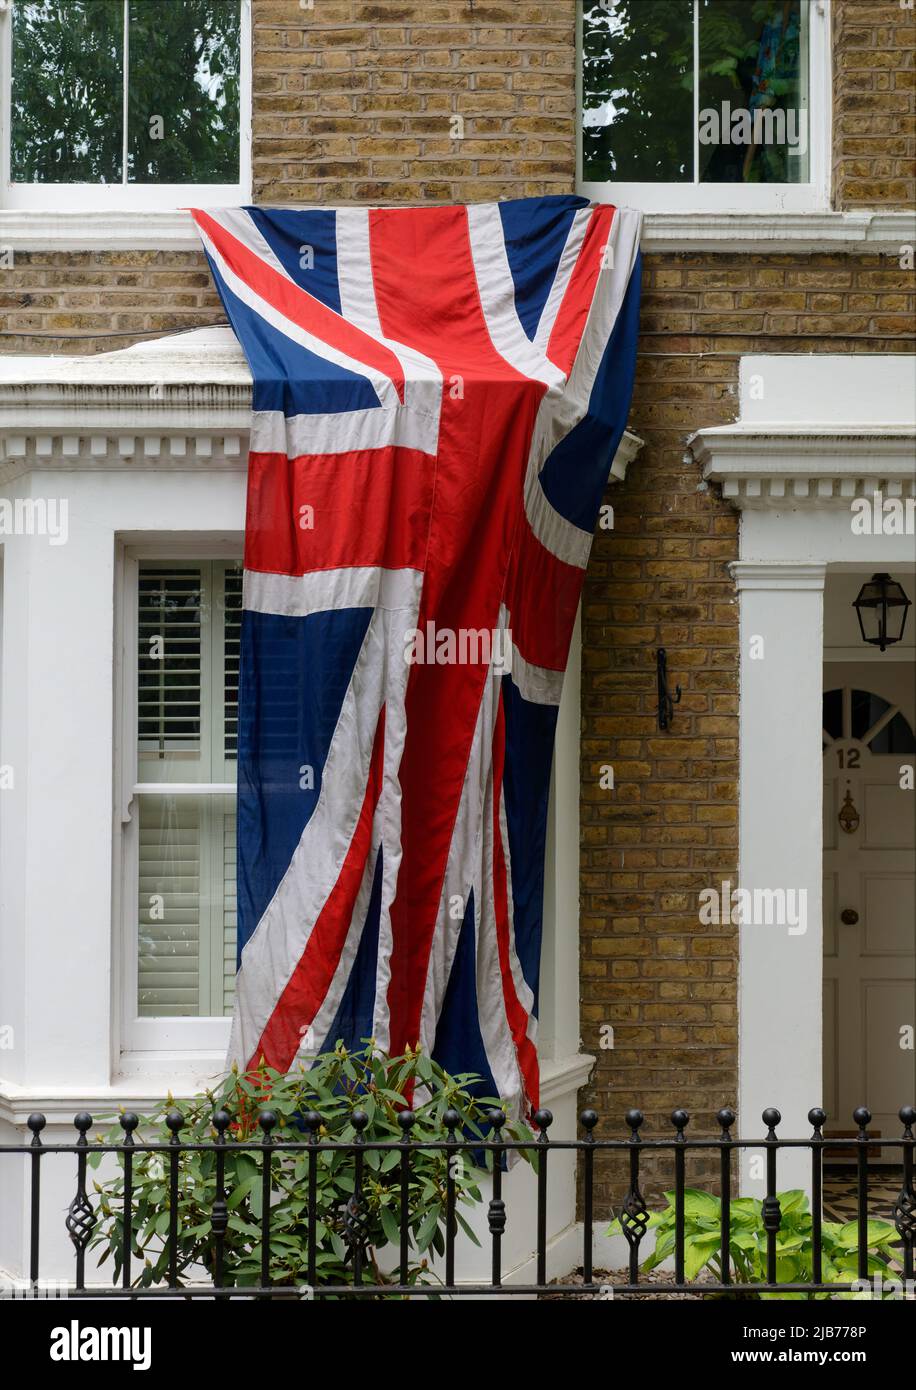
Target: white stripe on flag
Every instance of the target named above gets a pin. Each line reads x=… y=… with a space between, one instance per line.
x=276 y=946
x=382 y=385
x=497 y=297
x=298 y=596
x=557 y=417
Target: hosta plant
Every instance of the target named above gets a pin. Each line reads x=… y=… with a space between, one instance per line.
x=748 y=1243
x=335 y=1085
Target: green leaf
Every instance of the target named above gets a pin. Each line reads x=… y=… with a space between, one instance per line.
x=697 y=1252
x=390 y=1226
x=701 y=1205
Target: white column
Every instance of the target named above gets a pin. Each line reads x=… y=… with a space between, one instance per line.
x=558 y=1024
x=780 y=821
x=55 y=854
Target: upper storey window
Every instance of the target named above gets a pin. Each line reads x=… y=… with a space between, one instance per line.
x=705 y=105
x=125 y=103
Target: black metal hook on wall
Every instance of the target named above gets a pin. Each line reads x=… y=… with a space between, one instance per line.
x=666 y=701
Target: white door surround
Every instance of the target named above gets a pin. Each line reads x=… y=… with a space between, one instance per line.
x=815 y=433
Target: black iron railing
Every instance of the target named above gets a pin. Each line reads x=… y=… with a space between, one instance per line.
x=82 y=1217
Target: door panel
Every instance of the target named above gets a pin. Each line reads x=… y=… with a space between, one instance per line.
x=869 y=905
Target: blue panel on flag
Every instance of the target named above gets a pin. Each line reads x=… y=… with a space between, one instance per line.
x=305 y=244
x=287 y=376
x=459 y=1045
x=530 y=731
x=575 y=474
x=280 y=733
x=536 y=230
x=353 y=1020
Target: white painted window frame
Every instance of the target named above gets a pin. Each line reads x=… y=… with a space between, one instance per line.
x=93 y=197
x=139 y=1039
x=813 y=196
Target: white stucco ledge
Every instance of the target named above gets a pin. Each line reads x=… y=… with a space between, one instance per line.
x=182 y=401
x=861 y=231
x=560 y=1080
x=815 y=431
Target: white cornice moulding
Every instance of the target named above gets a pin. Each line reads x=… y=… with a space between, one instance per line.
x=858 y=232
x=179 y=402
x=767 y=574
x=779 y=466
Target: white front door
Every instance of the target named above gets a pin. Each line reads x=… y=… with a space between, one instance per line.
x=869 y=903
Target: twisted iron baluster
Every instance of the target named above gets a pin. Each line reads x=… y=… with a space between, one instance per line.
x=634 y=1217
x=905 y=1205
x=80 y=1217
x=355 y=1223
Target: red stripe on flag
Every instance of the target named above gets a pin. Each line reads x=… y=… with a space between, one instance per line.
x=541 y=632
x=300 y=1001
x=427 y=295
x=336 y=511
x=515 y=1011
x=299 y=306
x=569 y=324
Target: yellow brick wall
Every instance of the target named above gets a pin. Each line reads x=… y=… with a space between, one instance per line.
x=874 y=103
x=666 y=984
x=355 y=101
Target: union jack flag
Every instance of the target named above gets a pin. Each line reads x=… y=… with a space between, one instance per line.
x=438 y=395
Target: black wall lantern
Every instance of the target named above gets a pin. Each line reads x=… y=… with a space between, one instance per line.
x=881 y=608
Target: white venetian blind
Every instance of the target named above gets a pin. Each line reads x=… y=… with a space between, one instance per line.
x=188 y=624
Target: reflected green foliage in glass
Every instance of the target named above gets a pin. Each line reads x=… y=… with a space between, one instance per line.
x=750 y=57
x=183 y=94
x=67 y=91
x=184 y=59
x=637 y=91
x=638 y=72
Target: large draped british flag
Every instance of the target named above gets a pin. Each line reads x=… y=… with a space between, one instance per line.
x=438 y=395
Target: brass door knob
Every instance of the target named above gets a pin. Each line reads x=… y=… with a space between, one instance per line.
x=849 y=916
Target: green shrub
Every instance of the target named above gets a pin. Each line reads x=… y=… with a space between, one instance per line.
x=335 y=1085
x=748 y=1243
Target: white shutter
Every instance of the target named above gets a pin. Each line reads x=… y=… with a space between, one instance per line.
x=170 y=654
x=229 y=912
x=169 y=906
x=189 y=619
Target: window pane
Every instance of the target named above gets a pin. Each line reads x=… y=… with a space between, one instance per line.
x=169 y=669
x=867 y=709
x=186 y=920
x=753 y=125
x=637 y=91
x=895 y=737
x=183 y=92
x=67 y=91
x=833 y=713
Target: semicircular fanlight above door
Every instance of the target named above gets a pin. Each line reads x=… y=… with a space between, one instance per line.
x=867 y=718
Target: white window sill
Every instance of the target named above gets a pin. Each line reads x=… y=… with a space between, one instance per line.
x=754 y=232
